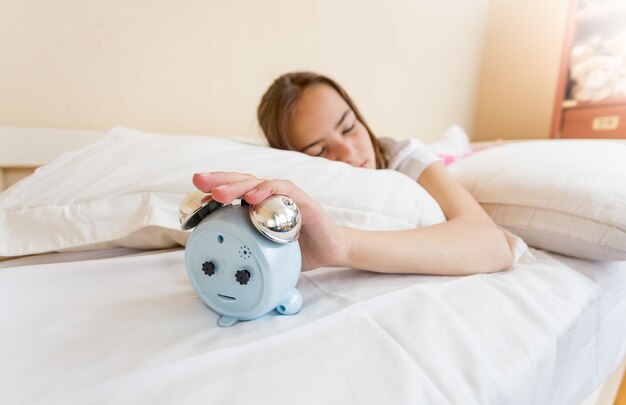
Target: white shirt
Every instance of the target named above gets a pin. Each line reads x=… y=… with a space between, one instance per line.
x=408 y=156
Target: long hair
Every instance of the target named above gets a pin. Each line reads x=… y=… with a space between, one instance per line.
x=277 y=104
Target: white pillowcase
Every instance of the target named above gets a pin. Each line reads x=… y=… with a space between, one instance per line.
x=126 y=189
x=453 y=141
x=566 y=196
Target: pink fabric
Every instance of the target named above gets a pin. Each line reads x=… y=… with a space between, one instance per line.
x=449 y=159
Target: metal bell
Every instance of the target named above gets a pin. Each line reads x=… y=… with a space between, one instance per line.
x=278 y=218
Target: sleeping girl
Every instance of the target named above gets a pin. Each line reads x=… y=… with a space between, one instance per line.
x=313 y=114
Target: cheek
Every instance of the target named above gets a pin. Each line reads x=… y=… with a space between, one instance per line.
x=364 y=139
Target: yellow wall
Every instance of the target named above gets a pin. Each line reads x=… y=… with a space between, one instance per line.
x=200 y=66
x=520 y=68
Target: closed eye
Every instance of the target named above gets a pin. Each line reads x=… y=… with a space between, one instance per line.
x=345 y=131
x=321 y=152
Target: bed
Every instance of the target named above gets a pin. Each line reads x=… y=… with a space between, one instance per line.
x=97 y=306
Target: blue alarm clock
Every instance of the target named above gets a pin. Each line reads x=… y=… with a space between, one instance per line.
x=243 y=260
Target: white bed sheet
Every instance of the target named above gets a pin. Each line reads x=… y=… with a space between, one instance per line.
x=125 y=326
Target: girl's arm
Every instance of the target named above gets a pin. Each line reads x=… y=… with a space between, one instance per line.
x=469 y=242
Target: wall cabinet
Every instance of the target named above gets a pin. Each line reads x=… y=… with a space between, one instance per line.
x=591 y=94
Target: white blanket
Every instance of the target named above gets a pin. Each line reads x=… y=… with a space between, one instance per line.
x=131 y=329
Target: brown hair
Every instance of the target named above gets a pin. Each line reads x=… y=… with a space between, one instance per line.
x=277 y=104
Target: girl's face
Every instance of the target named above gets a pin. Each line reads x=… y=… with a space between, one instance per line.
x=323 y=124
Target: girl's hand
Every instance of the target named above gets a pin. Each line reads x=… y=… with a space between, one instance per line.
x=322 y=241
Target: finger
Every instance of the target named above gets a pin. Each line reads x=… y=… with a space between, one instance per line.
x=206 y=181
x=267 y=188
x=226 y=193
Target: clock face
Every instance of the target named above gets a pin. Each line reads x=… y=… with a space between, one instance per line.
x=228 y=276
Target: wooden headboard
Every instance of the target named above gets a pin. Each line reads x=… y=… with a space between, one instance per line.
x=24 y=149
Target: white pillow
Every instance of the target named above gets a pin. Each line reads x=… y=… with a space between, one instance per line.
x=126 y=189
x=566 y=196
x=453 y=141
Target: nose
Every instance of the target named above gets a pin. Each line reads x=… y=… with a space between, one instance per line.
x=344 y=152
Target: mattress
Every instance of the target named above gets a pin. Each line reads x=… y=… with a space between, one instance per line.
x=126 y=326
